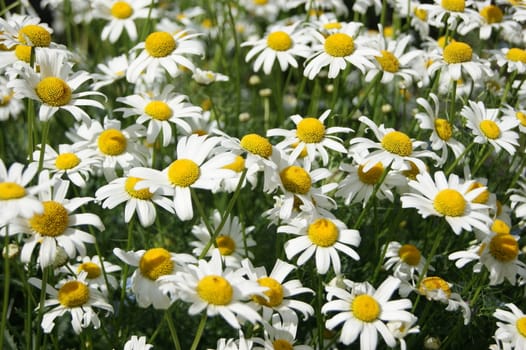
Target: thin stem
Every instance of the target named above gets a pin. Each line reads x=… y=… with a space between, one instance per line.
x=199 y=331
x=43 y=142
x=371 y=198
x=45 y=274
x=486 y=152
x=452 y=103
x=365 y=95
x=457 y=159
x=6 y=9
x=173 y=330
x=509 y=82
x=319 y=315
x=146 y=27
x=5 y=299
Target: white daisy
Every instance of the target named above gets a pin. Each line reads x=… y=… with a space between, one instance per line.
x=10 y=106
x=95 y=268
x=493 y=20
x=513 y=58
x=518 y=200
x=406 y=261
x=137 y=343
x=280 y=334
x=207 y=77
x=512 y=329
x=111 y=70
x=25 y=30
x=450 y=13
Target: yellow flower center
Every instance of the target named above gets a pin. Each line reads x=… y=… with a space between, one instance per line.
x=372 y=176
x=52 y=222
x=93 y=270
x=492 y=14
x=412 y=172
x=434 y=283
x=183 y=172
x=160 y=44
x=443 y=129
x=274 y=292
x=521 y=326
x=453 y=5
x=238 y=165
x=279 y=41
x=129 y=186
x=339 y=45
x=257 y=145
x=73 y=294
x=5 y=100
x=53 y=91
x=67 y=161
x=23 y=53
x=121 y=10
x=516 y=55
x=11 y=190
x=450 y=202
x=260 y=2
x=323 y=232
x=490 y=129
x=521 y=116
x=215 y=290
x=504 y=248
x=441 y=41
x=34 y=35
x=332 y=25
x=388 y=61
x=420 y=13
x=409 y=254
x=112 y=142
x=282 y=344
x=296 y=179
x=500 y=227
x=310 y=130
x=156 y=262
x=225 y=244
x=457 y=52
x=365 y=308
x=481 y=198
x=398 y=143
x=158 y=110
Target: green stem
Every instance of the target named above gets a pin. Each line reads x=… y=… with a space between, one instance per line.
x=146 y=27
x=450 y=168
x=6 y=9
x=371 y=199
x=173 y=331
x=319 y=316
x=45 y=275
x=365 y=95
x=383 y=13
x=124 y=275
x=199 y=331
x=486 y=152
x=452 y=103
x=509 y=82
x=5 y=299
x=45 y=132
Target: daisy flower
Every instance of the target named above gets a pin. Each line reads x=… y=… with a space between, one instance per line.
x=95 y=268
x=519 y=113
x=452 y=11
x=56 y=226
x=10 y=106
x=512 y=329
x=493 y=20
x=338 y=50
x=111 y=70
x=449 y=198
x=160 y=112
x=207 y=286
x=235 y=344
x=283 y=43
x=401 y=329
x=268 y=9
x=25 y=30
x=152 y=265
x=207 y=77
x=394 y=148
x=337 y=6
x=279 y=295
x=142 y=202
x=442 y=130
x=162 y=49
x=191 y=169
x=364 y=312
x=312 y=135
x=322 y=237
x=489 y=128
x=54 y=87
x=76 y=297
x=121 y=15
x=406 y=261
x=518 y=200
x=233 y=240
x=281 y=334
x=513 y=58
x=137 y=343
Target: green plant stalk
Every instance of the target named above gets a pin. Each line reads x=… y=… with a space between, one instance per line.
x=383 y=14
x=199 y=331
x=45 y=275
x=450 y=168
x=319 y=304
x=43 y=142
x=124 y=274
x=507 y=87
x=452 y=102
x=146 y=26
x=5 y=294
x=486 y=152
x=6 y=9
x=365 y=95
x=371 y=199
x=173 y=330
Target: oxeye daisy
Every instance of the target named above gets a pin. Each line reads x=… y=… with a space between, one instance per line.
x=283 y=43
x=320 y=6
x=364 y=312
x=338 y=50
x=71 y=161
x=121 y=15
x=519 y=113
x=25 y=30
x=207 y=286
x=415 y=14
x=141 y=202
x=450 y=13
x=268 y=9
x=160 y=112
x=394 y=148
x=94 y=268
x=512 y=329
x=513 y=58
x=162 y=49
x=235 y=344
x=442 y=130
x=322 y=237
x=56 y=226
x=280 y=293
x=493 y=20
x=449 y=198
x=405 y=260
x=55 y=87
x=207 y=77
x=518 y=200
x=10 y=106
x=311 y=134
x=111 y=70
x=401 y=329
x=137 y=343
x=489 y=128
x=280 y=334
x=152 y=264
x=193 y=168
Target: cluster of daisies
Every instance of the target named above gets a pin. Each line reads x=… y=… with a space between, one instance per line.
x=416 y=128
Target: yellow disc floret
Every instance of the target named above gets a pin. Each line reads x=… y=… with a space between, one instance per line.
x=215 y=290
x=432 y=284
x=93 y=270
x=23 y=53
x=443 y=129
x=238 y=165
x=373 y=175
x=453 y=5
x=483 y=197
x=11 y=190
x=398 y=143
x=129 y=186
x=158 y=110
x=257 y=145
x=521 y=326
x=121 y=10
x=160 y=44
x=310 y=130
x=295 y=179
x=53 y=91
x=504 y=248
x=183 y=172
x=521 y=116
x=73 y=294
x=492 y=14
x=516 y=55
x=156 y=262
x=457 y=52
x=420 y=13
x=409 y=254
x=449 y=202
x=225 y=244
x=34 y=35
x=500 y=227
x=279 y=41
x=282 y=344
x=323 y=232
x=274 y=292
x=66 y=161
x=112 y=142
x=388 y=61
x=365 y=308
x=52 y=222
x=490 y=129
x=339 y=45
